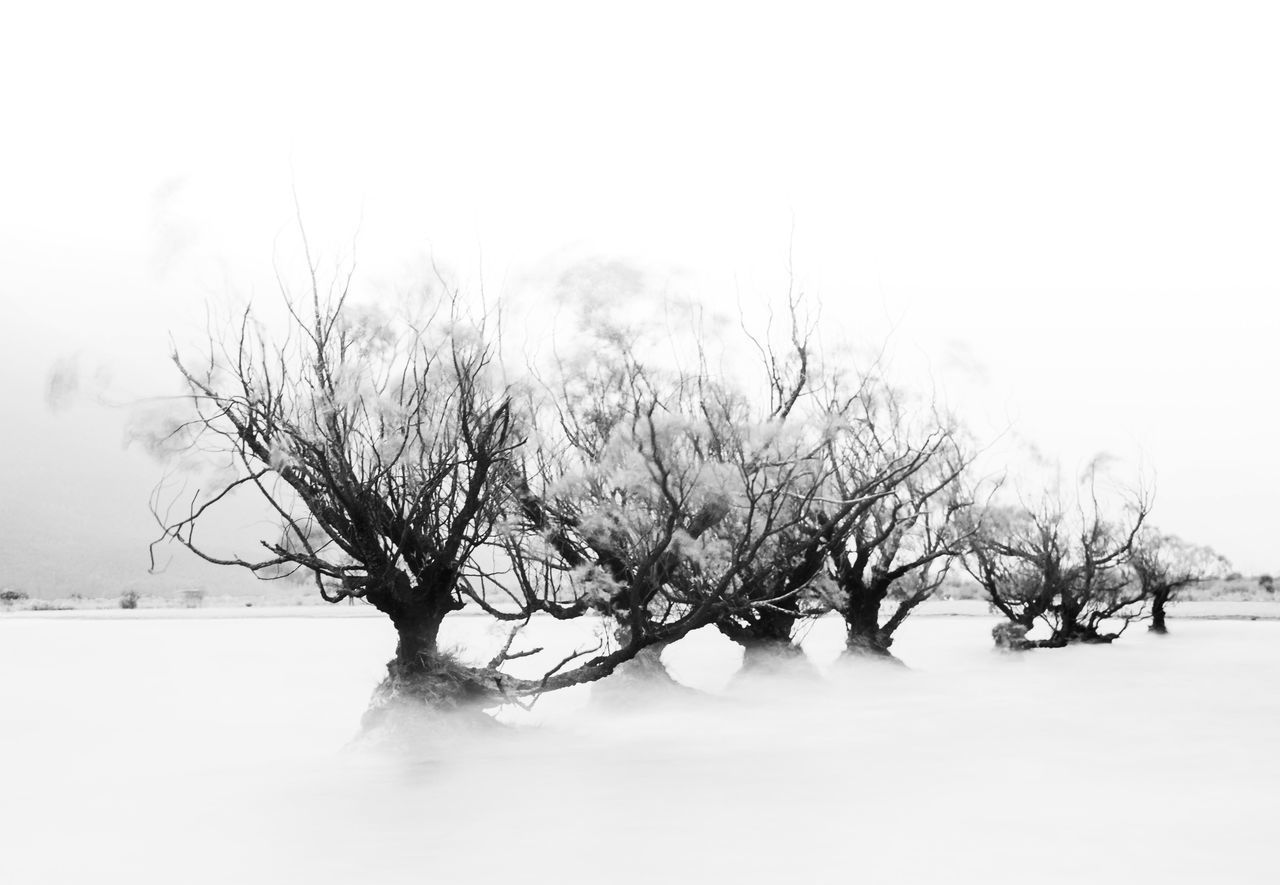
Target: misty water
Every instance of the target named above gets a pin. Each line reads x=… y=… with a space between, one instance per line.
x=219 y=749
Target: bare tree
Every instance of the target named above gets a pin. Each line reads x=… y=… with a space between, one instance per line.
x=1164 y=564
x=882 y=520
x=1067 y=569
x=897 y=542
x=392 y=457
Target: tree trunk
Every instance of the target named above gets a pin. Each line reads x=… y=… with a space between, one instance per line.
x=863 y=636
x=862 y=612
x=1158 y=601
x=870 y=644
x=646 y=666
x=423 y=679
x=1091 y=636
x=1073 y=633
x=773 y=657
x=642 y=677
x=417 y=641
x=1068 y=629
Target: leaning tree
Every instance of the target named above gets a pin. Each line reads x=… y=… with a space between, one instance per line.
x=1066 y=567
x=1165 y=564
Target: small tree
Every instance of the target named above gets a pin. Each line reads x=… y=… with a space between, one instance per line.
x=1165 y=564
x=1070 y=571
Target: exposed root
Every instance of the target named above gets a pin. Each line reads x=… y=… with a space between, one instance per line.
x=439 y=688
x=1010 y=637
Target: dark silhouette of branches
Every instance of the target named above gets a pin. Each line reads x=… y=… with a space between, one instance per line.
x=1071 y=571
x=1165 y=564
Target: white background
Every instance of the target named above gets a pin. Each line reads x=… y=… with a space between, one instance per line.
x=1067 y=214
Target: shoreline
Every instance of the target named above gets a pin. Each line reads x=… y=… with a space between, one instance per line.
x=1203 y=610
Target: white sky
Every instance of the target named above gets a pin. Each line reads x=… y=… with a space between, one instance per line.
x=1071 y=217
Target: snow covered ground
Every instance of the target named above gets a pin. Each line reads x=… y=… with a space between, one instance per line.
x=201 y=749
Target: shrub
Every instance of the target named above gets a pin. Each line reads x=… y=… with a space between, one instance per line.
x=1268 y=583
x=1010 y=636
x=129 y=599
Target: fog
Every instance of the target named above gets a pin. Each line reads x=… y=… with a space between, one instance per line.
x=1065 y=221
x=208 y=749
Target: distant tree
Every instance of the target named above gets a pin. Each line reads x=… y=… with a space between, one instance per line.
x=1268 y=583
x=11 y=596
x=1069 y=569
x=1165 y=564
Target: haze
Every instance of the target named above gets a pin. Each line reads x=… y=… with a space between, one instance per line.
x=1067 y=222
